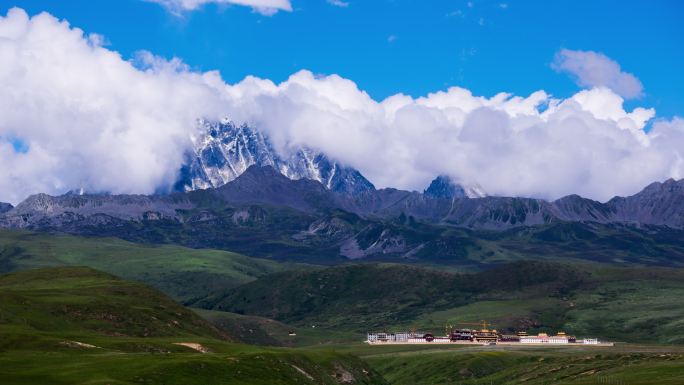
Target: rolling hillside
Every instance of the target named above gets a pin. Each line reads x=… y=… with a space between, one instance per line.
x=634 y=366
x=616 y=303
x=358 y=297
x=76 y=325
x=42 y=308
x=180 y=272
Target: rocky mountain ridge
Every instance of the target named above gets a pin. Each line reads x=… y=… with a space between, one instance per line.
x=5 y=207
x=226 y=150
x=444 y=187
x=264 y=213
x=660 y=204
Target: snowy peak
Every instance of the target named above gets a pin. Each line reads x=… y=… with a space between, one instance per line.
x=308 y=164
x=223 y=153
x=226 y=150
x=444 y=187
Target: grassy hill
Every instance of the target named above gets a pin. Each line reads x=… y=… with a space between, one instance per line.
x=357 y=297
x=76 y=325
x=621 y=304
x=180 y=272
x=615 y=244
x=541 y=366
x=263 y=331
x=43 y=307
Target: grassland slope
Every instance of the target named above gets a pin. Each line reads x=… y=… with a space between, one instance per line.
x=365 y=296
x=180 y=272
x=75 y=325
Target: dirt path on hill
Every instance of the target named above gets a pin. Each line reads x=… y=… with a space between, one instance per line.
x=194 y=346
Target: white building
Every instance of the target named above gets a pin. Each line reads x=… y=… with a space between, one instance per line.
x=558 y=340
x=388 y=337
x=544 y=338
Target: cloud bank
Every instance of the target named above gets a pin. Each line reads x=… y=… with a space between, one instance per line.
x=265 y=7
x=86 y=118
x=593 y=69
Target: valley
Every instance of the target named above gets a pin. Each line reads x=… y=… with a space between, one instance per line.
x=83 y=326
x=258 y=312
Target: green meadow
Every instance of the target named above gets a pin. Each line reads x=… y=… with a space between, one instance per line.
x=76 y=310
x=181 y=272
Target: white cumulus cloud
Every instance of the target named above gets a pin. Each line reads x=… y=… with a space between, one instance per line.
x=511 y=145
x=74 y=114
x=594 y=69
x=265 y=7
x=89 y=118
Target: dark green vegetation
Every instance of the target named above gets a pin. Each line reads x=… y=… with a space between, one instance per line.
x=259 y=231
x=80 y=326
x=50 y=318
x=234 y=366
x=531 y=366
x=284 y=234
x=180 y=272
x=358 y=297
x=44 y=307
x=257 y=330
x=639 y=304
x=642 y=310
x=620 y=304
x=617 y=304
x=610 y=244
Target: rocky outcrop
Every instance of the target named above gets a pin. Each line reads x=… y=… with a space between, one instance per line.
x=42 y=210
x=657 y=204
x=5 y=207
x=444 y=187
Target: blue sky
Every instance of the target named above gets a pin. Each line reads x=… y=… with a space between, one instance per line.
x=408 y=46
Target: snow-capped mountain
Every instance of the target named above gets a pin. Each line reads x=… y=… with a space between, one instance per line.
x=226 y=150
x=444 y=187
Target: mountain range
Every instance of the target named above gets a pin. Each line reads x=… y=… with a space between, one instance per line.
x=264 y=213
x=660 y=204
